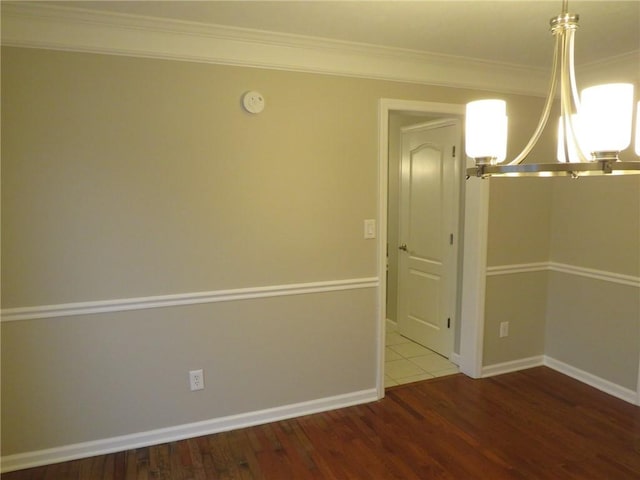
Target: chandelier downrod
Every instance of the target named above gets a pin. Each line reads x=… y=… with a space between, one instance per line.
x=563 y=28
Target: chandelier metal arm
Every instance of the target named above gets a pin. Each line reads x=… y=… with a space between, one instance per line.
x=544 y=117
x=573 y=170
x=570 y=103
x=572 y=70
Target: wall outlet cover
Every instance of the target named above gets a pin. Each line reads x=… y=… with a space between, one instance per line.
x=196 y=380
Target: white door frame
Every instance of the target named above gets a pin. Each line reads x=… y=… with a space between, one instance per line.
x=476 y=207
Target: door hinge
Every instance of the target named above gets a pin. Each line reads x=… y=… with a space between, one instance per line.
x=453 y=151
x=449 y=322
x=451 y=239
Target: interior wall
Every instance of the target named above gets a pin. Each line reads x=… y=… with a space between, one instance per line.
x=579 y=303
x=520 y=212
x=595 y=223
x=146 y=178
x=77 y=379
x=518 y=234
x=126 y=178
x=593 y=319
x=519 y=220
x=520 y=300
x=589 y=223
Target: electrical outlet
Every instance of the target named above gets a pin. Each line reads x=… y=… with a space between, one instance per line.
x=196 y=379
x=504 y=329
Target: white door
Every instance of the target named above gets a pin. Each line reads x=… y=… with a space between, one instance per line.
x=429 y=199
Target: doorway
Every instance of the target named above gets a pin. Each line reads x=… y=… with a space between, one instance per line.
x=466 y=324
x=422 y=236
x=428 y=233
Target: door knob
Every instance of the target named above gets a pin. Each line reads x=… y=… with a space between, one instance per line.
x=403 y=247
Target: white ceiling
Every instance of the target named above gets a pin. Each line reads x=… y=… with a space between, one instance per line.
x=514 y=32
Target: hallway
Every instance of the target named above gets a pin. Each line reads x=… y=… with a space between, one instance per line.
x=407 y=361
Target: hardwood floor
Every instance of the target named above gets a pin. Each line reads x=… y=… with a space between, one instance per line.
x=534 y=424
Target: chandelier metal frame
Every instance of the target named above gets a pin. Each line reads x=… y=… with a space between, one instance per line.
x=563 y=27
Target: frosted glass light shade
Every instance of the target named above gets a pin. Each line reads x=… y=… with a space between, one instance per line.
x=486 y=130
x=606 y=114
x=573 y=153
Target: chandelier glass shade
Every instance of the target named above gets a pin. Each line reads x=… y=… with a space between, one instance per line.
x=486 y=127
x=593 y=129
x=606 y=116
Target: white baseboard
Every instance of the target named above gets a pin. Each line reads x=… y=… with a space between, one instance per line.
x=154 y=437
x=601 y=384
x=512 y=366
x=126 y=442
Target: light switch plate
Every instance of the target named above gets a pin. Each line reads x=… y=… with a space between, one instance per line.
x=370 y=228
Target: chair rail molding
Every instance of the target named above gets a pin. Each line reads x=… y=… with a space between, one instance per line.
x=603 y=275
x=159 y=301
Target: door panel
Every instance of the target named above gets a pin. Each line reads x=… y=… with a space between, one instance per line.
x=426 y=289
x=425 y=188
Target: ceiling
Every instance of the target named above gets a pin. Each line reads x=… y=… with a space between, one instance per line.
x=512 y=32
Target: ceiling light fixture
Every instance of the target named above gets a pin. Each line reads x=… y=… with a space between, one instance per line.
x=593 y=128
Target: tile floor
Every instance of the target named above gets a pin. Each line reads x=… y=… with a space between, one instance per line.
x=406 y=361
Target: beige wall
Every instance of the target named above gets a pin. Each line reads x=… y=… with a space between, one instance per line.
x=519 y=299
x=519 y=220
x=126 y=177
x=589 y=323
x=594 y=324
x=595 y=223
x=520 y=212
x=130 y=177
x=145 y=177
x=76 y=379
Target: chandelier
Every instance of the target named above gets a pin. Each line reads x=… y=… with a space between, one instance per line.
x=593 y=128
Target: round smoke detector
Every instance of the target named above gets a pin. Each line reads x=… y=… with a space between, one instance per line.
x=253 y=102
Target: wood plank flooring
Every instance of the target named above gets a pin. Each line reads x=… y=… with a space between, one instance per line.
x=534 y=424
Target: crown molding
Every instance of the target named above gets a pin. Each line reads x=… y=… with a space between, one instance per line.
x=621 y=68
x=38 y=25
